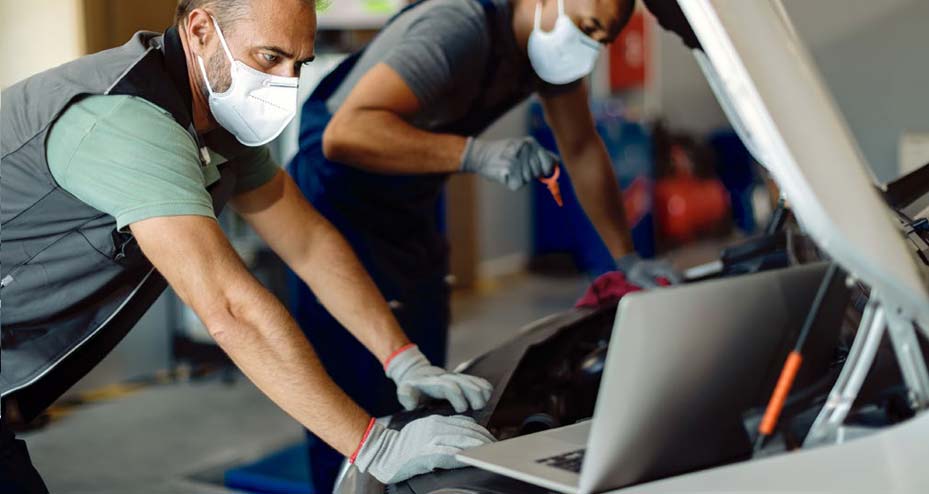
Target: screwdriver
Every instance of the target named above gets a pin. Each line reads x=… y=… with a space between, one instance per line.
x=553 y=187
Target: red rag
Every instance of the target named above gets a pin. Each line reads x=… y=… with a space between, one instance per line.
x=606 y=289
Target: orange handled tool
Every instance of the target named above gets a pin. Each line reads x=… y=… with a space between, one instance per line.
x=792 y=364
x=553 y=187
x=781 y=390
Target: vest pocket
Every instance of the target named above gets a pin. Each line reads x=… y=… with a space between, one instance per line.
x=57 y=279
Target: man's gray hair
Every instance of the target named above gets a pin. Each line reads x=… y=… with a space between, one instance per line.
x=227 y=12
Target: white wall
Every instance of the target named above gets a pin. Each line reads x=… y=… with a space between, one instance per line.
x=874 y=57
x=38 y=34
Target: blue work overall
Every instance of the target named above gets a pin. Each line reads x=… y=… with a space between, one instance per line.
x=394 y=225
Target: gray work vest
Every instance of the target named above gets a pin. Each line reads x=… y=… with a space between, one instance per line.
x=72 y=285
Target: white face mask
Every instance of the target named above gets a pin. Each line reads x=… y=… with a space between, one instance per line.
x=257 y=106
x=564 y=54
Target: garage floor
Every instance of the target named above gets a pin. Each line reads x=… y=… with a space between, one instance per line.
x=161 y=439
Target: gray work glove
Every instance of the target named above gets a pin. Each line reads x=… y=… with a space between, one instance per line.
x=416 y=379
x=420 y=447
x=645 y=273
x=512 y=162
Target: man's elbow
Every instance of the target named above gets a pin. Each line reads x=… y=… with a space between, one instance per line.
x=221 y=324
x=222 y=316
x=336 y=139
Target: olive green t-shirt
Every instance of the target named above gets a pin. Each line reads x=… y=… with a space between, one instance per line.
x=130 y=159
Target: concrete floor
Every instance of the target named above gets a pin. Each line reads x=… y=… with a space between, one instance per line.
x=159 y=439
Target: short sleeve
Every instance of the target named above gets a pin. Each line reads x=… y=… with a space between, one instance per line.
x=446 y=46
x=254 y=168
x=129 y=159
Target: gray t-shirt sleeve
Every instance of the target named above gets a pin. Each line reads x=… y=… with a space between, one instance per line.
x=442 y=49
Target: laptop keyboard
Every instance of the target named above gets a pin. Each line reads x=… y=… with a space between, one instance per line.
x=570 y=461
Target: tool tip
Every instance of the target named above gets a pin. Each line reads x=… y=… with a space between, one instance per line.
x=759 y=443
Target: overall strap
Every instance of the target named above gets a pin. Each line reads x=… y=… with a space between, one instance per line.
x=334 y=79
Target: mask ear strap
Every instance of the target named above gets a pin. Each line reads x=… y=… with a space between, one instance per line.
x=538 y=14
x=222 y=40
x=206 y=79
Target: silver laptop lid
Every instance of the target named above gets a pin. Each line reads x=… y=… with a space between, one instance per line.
x=769 y=84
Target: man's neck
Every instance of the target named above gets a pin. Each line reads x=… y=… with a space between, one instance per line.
x=200 y=107
x=522 y=21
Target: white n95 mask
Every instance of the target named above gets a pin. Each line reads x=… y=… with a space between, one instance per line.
x=564 y=54
x=257 y=106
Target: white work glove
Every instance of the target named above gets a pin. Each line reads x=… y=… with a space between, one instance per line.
x=416 y=379
x=645 y=273
x=512 y=162
x=420 y=447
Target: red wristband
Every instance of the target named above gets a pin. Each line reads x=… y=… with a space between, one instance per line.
x=397 y=352
x=363 y=439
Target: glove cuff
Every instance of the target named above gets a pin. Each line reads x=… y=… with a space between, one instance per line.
x=396 y=353
x=364 y=439
x=464 y=163
x=403 y=361
x=626 y=262
x=373 y=450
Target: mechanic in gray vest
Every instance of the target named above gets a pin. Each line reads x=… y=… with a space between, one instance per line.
x=114 y=167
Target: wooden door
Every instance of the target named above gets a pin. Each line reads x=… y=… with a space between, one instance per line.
x=110 y=23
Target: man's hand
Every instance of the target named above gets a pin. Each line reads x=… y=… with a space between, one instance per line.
x=634 y=274
x=416 y=379
x=420 y=447
x=512 y=162
x=648 y=273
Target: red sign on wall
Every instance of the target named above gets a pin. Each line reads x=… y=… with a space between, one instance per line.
x=629 y=55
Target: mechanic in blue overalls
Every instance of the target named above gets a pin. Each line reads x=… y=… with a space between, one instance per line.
x=383 y=131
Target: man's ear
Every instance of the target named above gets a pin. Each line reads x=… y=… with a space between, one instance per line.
x=200 y=30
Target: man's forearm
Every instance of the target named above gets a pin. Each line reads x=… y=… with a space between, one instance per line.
x=318 y=253
x=599 y=193
x=383 y=142
x=250 y=324
x=371 y=131
x=333 y=272
x=257 y=333
x=589 y=165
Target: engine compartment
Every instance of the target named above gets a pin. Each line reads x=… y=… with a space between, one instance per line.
x=549 y=377
x=546 y=377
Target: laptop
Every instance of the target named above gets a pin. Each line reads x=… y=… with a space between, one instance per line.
x=674 y=377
